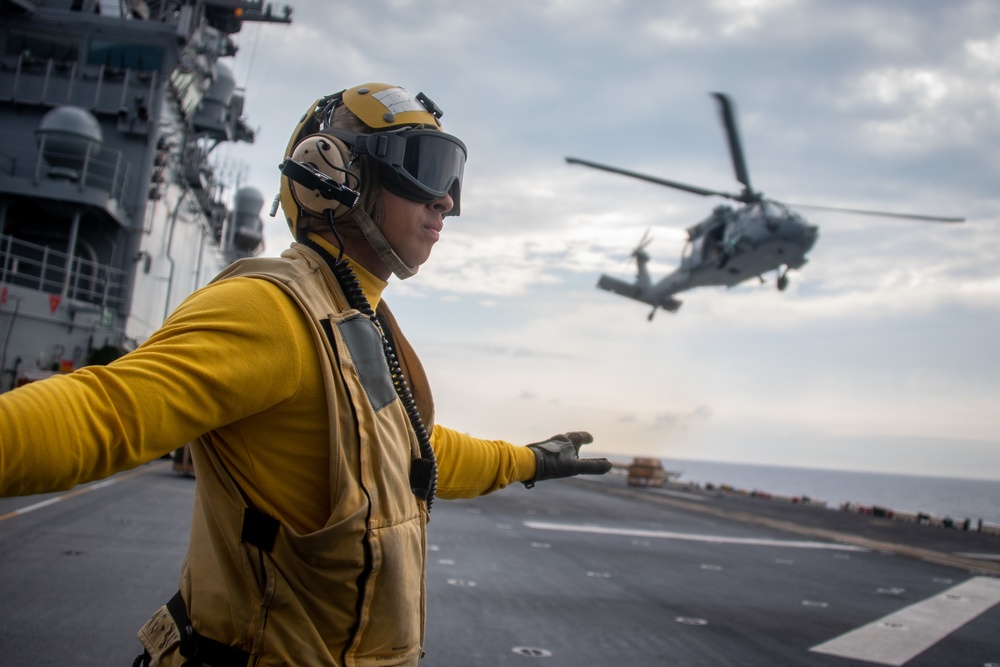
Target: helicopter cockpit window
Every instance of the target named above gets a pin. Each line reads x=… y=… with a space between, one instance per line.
x=750 y=215
x=776 y=214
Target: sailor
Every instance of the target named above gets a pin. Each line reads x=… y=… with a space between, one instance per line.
x=316 y=452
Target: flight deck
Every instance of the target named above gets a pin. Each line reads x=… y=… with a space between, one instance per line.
x=583 y=571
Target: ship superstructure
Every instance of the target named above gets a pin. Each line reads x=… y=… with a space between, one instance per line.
x=111 y=211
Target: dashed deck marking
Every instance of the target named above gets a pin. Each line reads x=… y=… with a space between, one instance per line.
x=668 y=535
x=980 y=556
x=82 y=489
x=902 y=635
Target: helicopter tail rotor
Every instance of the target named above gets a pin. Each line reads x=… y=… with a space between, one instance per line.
x=640 y=248
x=641 y=257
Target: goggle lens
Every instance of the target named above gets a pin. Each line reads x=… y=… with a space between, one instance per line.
x=421 y=165
x=434 y=162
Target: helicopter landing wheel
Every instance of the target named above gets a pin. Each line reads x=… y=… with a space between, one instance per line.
x=782 y=281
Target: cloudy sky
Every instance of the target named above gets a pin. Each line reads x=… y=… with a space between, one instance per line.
x=882 y=353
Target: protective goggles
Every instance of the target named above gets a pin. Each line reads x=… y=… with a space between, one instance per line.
x=419 y=165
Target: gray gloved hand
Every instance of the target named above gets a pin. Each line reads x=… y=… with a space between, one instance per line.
x=559 y=456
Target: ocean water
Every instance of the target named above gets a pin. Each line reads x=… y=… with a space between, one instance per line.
x=938 y=496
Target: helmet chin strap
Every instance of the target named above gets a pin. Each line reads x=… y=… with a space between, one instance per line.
x=382 y=248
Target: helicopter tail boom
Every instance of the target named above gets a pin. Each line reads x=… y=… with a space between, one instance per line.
x=633 y=291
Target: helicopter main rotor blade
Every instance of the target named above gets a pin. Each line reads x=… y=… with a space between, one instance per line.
x=883 y=214
x=733 y=135
x=653 y=179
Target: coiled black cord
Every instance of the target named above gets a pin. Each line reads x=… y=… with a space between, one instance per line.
x=423 y=474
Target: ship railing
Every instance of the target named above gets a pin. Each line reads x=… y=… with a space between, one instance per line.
x=48 y=82
x=41 y=268
x=8 y=163
x=96 y=166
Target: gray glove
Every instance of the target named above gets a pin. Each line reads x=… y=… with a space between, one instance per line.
x=559 y=456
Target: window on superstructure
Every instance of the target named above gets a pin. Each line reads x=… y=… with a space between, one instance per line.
x=124 y=56
x=42 y=46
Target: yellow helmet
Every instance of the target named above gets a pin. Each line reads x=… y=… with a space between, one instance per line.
x=399 y=132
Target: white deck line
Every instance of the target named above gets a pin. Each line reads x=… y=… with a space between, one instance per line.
x=668 y=535
x=83 y=489
x=897 y=638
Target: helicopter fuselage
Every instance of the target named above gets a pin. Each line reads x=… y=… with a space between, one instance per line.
x=730 y=245
x=725 y=249
x=745 y=243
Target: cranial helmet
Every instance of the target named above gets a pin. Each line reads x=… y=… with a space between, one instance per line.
x=359 y=139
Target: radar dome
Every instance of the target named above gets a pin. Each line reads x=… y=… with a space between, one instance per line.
x=249 y=200
x=64 y=135
x=249 y=232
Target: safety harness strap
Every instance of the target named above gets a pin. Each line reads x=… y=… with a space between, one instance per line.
x=201 y=650
x=198 y=651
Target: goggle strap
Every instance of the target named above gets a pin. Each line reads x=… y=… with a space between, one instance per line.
x=354 y=141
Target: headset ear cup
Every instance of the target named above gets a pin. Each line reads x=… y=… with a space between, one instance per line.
x=331 y=157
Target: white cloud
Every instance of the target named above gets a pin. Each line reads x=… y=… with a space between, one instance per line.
x=984 y=53
x=673 y=30
x=923 y=87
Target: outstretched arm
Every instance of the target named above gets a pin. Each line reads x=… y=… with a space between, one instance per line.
x=190 y=377
x=470 y=467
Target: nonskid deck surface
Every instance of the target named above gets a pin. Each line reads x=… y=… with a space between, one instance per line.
x=572 y=572
x=589 y=572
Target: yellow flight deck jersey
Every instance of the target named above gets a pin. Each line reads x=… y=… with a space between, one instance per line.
x=235 y=358
x=328 y=566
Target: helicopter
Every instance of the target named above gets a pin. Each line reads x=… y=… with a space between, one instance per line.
x=732 y=244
